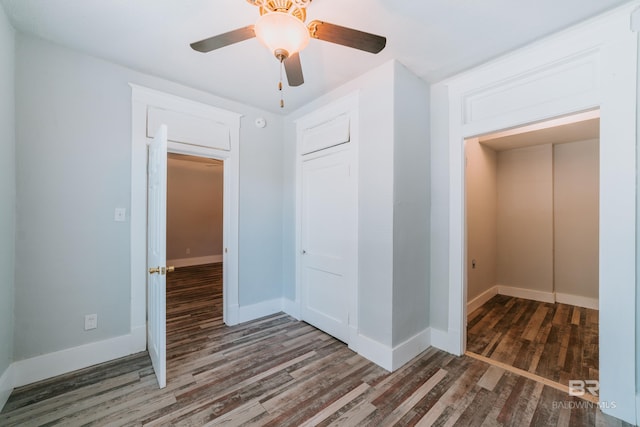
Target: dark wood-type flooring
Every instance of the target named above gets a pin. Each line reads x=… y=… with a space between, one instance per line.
x=556 y=341
x=277 y=371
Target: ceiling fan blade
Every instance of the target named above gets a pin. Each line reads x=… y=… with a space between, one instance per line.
x=347 y=36
x=293 y=67
x=225 y=39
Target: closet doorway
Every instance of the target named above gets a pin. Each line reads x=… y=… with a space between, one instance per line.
x=532 y=224
x=195 y=207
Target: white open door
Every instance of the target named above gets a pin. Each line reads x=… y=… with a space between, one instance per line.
x=157 y=254
x=328 y=242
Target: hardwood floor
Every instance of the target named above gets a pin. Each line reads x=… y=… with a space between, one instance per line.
x=556 y=341
x=276 y=371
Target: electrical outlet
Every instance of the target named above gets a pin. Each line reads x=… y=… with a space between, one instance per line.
x=90 y=321
x=188 y=251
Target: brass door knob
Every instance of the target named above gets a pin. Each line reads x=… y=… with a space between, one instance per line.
x=171 y=269
x=154 y=270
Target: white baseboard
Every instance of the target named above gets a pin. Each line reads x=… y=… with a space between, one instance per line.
x=409 y=349
x=392 y=358
x=188 y=262
x=481 y=299
x=375 y=351
x=440 y=339
x=6 y=385
x=292 y=308
x=261 y=309
x=231 y=315
x=64 y=361
x=526 y=294
x=579 y=301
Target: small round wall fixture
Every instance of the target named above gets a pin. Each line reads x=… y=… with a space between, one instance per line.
x=261 y=122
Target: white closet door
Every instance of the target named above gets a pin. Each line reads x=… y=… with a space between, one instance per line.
x=329 y=239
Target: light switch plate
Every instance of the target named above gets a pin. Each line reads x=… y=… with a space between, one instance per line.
x=90 y=321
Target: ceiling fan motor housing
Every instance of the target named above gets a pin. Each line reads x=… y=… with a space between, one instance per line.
x=295 y=8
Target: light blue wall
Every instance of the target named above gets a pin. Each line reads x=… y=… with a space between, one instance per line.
x=7 y=190
x=73 y=168
x=439 y=253
x=638 y=234
x=261 y=207
x=410 y=205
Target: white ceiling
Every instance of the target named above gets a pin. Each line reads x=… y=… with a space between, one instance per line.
x=579 y=127
x=433 y=38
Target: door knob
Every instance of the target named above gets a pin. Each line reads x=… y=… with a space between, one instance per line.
x=169 y=269
x=154 y=270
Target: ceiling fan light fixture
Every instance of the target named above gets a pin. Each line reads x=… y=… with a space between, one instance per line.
x=283 y=34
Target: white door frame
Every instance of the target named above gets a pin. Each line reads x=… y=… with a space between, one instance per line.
x=592 y=65
x=142 y=99
x=346 y=106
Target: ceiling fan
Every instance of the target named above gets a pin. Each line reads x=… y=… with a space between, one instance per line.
x=282 y=30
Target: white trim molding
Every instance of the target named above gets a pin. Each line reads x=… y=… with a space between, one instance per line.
x=531 y=294
x=375 y=351
x=392 y=358
x=143 y=99
x=406 y=351
x=591 y=65
x=292 y=308
x=482 y=299
x=443 y=340
x=635 y=20
x=7 y=385
x=49 y=365
x=578 y=301
x=250 y=312
x=550 y=297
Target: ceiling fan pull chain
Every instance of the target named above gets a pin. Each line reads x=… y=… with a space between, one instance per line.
x=280 y=84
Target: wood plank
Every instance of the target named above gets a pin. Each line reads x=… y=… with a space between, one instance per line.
x=559 y=345
x=529 y=375
x=491 y=378
x=276 y=371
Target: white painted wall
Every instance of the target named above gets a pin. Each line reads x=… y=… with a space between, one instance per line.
x=525 y=218
x=576 y=177
x=375 y=208
x=7 y=193
x=194 y=210
x=590 y=65
x=73 y=168
x=411 y=206
x=393 y=210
